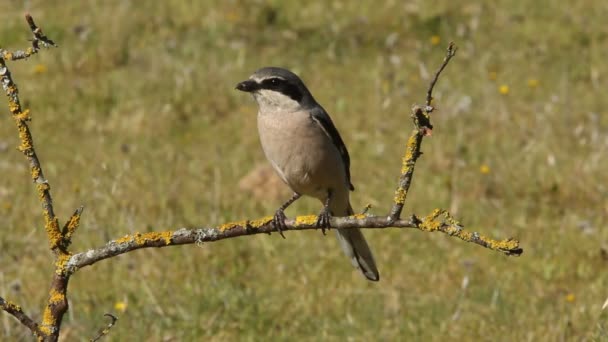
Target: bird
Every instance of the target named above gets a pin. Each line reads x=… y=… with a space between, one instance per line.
x=305 y=149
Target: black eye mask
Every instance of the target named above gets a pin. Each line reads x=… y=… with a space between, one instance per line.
x=282 y=86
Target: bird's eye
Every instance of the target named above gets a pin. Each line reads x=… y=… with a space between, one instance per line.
x=274 y=81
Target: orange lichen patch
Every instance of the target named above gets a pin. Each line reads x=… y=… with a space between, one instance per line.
x=400 y=195
x=306 y=220
x=257 y=223
x=140 y=239
x=230 y=225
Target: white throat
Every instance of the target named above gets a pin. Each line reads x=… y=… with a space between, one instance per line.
x=273 y=101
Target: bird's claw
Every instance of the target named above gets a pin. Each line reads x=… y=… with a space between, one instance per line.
x=278 y=221
x=323 y=221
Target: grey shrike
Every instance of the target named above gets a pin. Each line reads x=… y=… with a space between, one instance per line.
x=307 y=152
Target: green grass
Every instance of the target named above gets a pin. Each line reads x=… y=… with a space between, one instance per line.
x=135 y=117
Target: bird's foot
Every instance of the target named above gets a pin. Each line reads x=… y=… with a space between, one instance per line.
x=323 y=220
x=278 y=221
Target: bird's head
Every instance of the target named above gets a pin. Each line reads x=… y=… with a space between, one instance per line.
x=277 y=89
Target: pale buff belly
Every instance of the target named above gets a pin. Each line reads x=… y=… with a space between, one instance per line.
x=302 y=154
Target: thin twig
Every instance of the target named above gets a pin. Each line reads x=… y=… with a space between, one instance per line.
x=451 y=52
x=103 y=332
x=18 y=313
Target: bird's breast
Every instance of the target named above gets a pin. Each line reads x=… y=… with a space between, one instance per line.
x=300 y=152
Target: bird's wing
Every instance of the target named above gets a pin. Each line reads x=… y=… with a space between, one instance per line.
x=320 y=116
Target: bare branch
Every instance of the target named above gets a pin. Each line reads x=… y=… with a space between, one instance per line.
x=103 y=332
x=451 y=52
x=18 y=313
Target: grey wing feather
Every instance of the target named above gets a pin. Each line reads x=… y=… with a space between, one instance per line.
x=319 y=115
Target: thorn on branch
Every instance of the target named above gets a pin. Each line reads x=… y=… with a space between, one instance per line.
x=103 y=332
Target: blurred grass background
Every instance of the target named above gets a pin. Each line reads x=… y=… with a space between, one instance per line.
x=135 y=117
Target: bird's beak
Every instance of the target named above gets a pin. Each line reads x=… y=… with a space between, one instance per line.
x=248 y=86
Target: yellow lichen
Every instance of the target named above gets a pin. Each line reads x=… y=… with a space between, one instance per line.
x=61 y=263
x=260 y=222
x=400 y=195
x=358 y=216
x=166 y=236
x=141 y=239
x=410 y=147
x=35 y=172
x=306 y=220
x=429 y=222
x=503 y=245
x=72 y=225
x=47 y=321
x=56 y=297
x=13 y=107
x=230 y=225
x=11 y=306
x=42 y=187
x=24 y=137
x=23 y=116
x=124 y=239
x=52 y=229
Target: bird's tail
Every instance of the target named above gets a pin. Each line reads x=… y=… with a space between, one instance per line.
x=355 y=247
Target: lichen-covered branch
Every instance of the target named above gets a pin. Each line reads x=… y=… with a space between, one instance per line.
x=431 y=223
x=21 y=117
x=422 y=121
x=57 y=304
x=18 y=313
